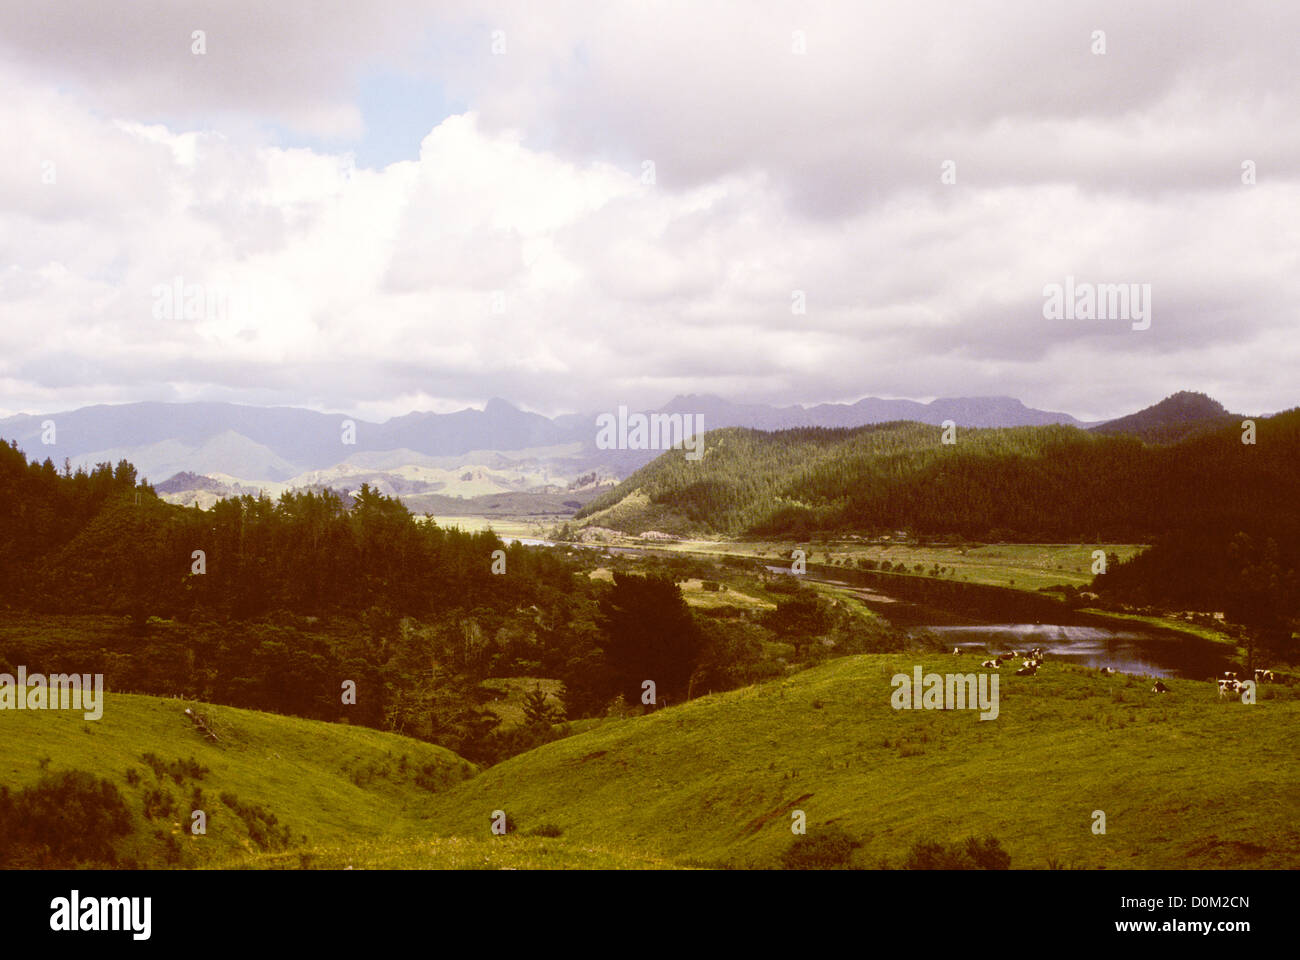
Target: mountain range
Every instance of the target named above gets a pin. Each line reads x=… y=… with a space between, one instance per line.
x=197 y=452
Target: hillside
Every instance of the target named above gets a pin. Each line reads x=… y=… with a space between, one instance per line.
x=715 y=780
x=1182 y=415
x=327 y=783
x=1054 y=483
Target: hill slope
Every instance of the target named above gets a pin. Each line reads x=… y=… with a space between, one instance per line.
x=715 y=780
x=1032 y=483
x=1174 y=418
x=328 y=783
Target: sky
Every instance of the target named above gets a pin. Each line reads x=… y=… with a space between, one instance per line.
x=395 y=206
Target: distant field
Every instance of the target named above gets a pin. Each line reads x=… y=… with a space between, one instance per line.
x=533 y=528
x=731 y=596
x=510 y=693
x=1025 y=566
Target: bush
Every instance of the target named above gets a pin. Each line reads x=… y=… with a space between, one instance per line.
x=158 y=803
x=264 y=828
x=970 y=854
x=178 y=770
x=66 y=820
x=828 y=848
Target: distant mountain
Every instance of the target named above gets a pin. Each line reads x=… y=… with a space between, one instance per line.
x=189 y=481
x=1053 y=482
x=201 y=452
x=1174 y=418
x=964 y=411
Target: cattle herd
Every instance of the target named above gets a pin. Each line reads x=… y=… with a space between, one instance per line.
x=1230 y=685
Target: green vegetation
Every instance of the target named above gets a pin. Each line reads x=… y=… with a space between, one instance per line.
x=121 y=790
x=1046 y=484
x=879 y=787
x=478 y=691
x=715 y=781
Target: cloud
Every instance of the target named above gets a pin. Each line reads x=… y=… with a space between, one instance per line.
x=522 y=251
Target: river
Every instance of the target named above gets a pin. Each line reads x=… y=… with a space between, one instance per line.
x=996 y=620
x=1063 y=634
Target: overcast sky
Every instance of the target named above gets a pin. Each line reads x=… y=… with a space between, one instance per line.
x=399 y=206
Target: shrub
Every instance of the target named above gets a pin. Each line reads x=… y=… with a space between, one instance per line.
x=158 y=803
x=827 y=848
x=178 y=770
x=264 y=828
x=971 y=854
x=66 y=820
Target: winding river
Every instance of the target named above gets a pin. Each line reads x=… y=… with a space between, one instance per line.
x=994 y=620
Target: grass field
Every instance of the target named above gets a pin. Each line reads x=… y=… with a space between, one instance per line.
x=512 y=852
x=326 y=782
x=503 y=526
x=1024 y=566
x=714 y=781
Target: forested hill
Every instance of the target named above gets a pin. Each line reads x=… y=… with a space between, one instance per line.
x=1177 y=417
x=1029 y=483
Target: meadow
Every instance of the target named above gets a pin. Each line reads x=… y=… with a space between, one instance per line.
x=714 y=782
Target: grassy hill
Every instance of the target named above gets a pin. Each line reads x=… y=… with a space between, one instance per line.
x=326 y=783
x=714 y=781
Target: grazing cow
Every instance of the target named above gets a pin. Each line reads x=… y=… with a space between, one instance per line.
x=1263 y=676
x=1106 y=672
x=1229 y=688
x=1159 y=688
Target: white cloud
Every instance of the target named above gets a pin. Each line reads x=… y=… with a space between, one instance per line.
x=374 y=289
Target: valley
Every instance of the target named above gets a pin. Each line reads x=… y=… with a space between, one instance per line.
x=669 y=671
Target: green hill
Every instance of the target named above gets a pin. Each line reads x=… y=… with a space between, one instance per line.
x=1181 y=415
x=270 y=782
x=714 y=781
x=1053 y=483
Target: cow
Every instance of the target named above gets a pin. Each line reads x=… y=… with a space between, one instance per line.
x=1263 y=676
x=994 y=664
x=1159 y=688
x=1106 y=672
x=1229 y=688
x=956 y=651
x=1026 y=671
